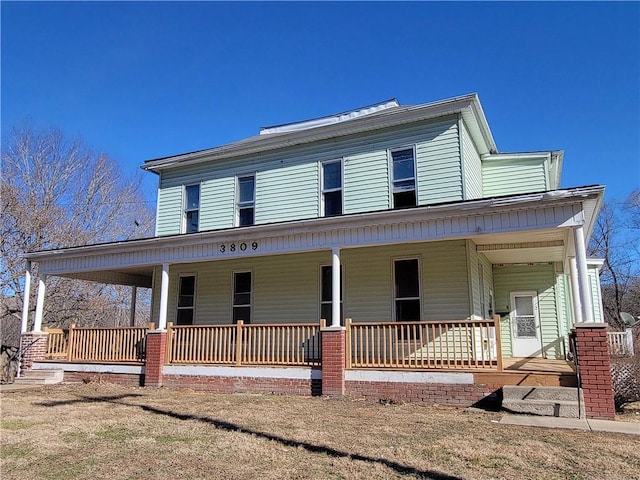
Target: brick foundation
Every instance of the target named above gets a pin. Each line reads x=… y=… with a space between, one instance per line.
x=126 y=379
x=33 y=347
x=243 y=384
x=155 y=353
x=333 y=361
x=594 y=368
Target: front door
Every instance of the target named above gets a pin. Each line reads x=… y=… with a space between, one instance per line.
x=525 y=324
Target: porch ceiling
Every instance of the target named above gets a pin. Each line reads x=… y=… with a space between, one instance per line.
x=524 y=247
x=133 y=276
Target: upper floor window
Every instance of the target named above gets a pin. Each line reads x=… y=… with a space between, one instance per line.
x=191 y=208
x=403 y=170
x=245 y=206
x=332 y=188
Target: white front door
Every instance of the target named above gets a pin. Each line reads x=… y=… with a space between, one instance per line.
x=525 y=324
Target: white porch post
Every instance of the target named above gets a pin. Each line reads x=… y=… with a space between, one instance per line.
x=164 y=296
x=132 y=310
x=336 y=288
x=25 y=300
x=583 y=275
x=575 y=291
x=37 y=322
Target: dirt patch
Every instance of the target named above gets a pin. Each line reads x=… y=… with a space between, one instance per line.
x=106 y=431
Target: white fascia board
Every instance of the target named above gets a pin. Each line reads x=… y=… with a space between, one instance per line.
x=517 y=156
x=468 y=105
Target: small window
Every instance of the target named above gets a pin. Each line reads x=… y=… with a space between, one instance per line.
x=191 y=208
x=407 y=290
x=242 y=297
x=404 y=178
x=326 y=285
x=246 y=200
x=186 y=300
x=332 y=188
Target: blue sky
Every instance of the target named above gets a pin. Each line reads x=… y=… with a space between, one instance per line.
x=151 y=79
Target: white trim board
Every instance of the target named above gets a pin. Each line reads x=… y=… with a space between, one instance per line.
x=243 y=372
x=456 y=378
x=89 y=368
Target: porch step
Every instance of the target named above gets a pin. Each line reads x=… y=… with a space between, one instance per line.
x=544 y=401
x=40 y=377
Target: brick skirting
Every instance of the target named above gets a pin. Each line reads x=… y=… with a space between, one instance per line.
x=290 y=386
x=126 y=379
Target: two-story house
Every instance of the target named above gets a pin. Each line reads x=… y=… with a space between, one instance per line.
x=387 y=213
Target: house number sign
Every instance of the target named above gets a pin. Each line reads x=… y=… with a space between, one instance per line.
x=238 y=247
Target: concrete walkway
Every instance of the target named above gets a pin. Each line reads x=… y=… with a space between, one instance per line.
x=610 y=426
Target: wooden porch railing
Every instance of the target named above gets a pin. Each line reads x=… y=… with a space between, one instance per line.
x=110 y=344
x=447 y=344
x=240 y=344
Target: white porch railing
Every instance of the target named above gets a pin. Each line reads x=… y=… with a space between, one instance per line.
x=621 y=343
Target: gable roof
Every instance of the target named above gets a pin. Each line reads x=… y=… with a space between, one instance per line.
x=361 y=120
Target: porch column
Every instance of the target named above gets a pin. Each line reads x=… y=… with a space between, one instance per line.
x=583 y=276
x=37 y=322
x=132 y=310
x=575 y=292
x=336 y=288
x=25 y=300
x=164 y=296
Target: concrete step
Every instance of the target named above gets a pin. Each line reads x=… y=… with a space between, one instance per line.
x=544 y=401
x=40 y=377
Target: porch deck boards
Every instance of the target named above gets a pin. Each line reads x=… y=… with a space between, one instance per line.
x=531 y=372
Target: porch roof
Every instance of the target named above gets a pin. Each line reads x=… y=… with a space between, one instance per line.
x=511 y=229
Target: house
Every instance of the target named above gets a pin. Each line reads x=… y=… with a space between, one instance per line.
x=422 y=246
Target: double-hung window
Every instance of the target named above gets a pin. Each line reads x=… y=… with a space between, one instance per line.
x=326 y=285
x=246 y=200
x=241 y=297
x=406 y=277
x=403 y=170
x=191 y=208
x=332 y=188
x=186 y=300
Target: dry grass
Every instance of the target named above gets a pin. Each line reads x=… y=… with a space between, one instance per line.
x=98 y=431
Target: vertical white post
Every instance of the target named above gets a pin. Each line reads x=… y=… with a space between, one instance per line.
x=132 y=310
x=37 y=322
x=25 y=300
x=164 y=296
x=575 y=292
x=583 y=275
x=335 y=287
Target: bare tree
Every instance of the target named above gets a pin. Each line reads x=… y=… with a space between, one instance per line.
x=616 y=239
x=55 y=192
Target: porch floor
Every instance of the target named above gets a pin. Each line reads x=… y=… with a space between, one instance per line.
x=538 y=364
x=532 y=371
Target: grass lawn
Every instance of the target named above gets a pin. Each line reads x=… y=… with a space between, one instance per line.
x=103 y=431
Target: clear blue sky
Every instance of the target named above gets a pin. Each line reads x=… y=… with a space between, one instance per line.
x=152 y=79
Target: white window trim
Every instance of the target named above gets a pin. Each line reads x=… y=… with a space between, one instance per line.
x=393 y=285
x=245 y=204
x=390 y=152
x=322 y=189
x=342 y=290
x=195 y=293
x=233 y=292
x=183 y=226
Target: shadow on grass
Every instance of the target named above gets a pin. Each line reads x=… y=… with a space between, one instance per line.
x=232 y=427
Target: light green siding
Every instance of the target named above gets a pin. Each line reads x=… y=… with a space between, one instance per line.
x=539 y=278
x=287 y=180
x=511 y=177
x=286 y=288
x=439 y=169
x=471 y=164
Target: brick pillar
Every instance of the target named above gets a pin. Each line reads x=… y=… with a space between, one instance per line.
x=594 y=367
x=333 y=361
x=33 y=348
x=154 y=360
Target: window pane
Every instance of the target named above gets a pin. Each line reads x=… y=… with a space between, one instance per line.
x=327 y=283
x=242 y=282
x=404 y=199
x=326 y=312
x=187 y=285
x=242 y=313
x=192 y=221
x=332 y=175
x=242 y=299
x=403 y=165
x=407 y=310
x=407 y=278
x=404 y=185
x=246 y=187
x=185 y=300
x=333 y=203
x=185 y=316
x=245 y=217
x=193 y=197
